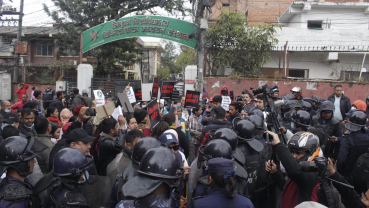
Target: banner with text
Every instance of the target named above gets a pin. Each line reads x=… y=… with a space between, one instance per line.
x=192 y=99
x=226 y=100
x=153 y=113
x=167 y=90
x=155 y=88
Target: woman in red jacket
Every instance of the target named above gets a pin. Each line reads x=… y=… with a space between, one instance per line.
x=22 y=89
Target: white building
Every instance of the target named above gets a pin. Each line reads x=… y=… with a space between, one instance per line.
x=324 y=40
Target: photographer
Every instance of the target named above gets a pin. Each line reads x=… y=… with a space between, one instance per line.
x=300 y=186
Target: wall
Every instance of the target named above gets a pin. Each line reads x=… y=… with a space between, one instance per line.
x=321 y=89
x=29 y=90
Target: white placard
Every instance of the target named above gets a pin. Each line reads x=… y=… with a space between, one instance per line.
x=99 y=97
x=117 y=112
x=146 y=91
x=131 y=95
x=226 y=100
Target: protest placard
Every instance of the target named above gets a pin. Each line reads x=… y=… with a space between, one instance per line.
x=192 y=99
x=155 y=88
x=167 y=90
x=99 y=97
x=153 y=113
x=146 y=91
x=226 y=100
x=131 y=95
x=124 y=101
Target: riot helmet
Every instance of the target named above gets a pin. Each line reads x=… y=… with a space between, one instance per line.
x=306 y=142
x=260 y=126
x=327 y=106
x=160 y=162
x=215 y=148
x=315 y=99
x=274 y=89
x=70 y=163
x=306 y=106
x=357 y=121
x=16 y=152
x=227 y=135
x=256 y=111
x=301 y=118
x=142 y=146
x=245 y=129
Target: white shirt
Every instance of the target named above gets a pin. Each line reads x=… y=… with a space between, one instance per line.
x=337 y=108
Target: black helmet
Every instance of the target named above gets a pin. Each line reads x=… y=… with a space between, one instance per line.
x=160 y=162
x=289 y=105
x=302 y=118
x=15 y=152
x=245 y=129
x=357 y=121
x=215 y=148
x=316 y=99
x=306 y=106
x=305 y=141
x=71 y=161
x=228 y=135
x=256 y=111
x=274 y=89
x=257 y=121
x=327 y=106
x=142 y=146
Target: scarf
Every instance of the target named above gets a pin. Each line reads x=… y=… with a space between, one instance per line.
x=54 y=120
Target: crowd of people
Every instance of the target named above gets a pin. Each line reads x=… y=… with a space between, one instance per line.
x=264 y=149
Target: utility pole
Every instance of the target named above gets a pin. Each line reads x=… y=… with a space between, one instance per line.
x=19 y=35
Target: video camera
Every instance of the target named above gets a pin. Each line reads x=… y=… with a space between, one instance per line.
x=264 y=89
x=317 y=165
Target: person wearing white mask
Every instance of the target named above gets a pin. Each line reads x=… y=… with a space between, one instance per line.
x=5 y=108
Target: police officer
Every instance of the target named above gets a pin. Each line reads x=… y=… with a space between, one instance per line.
x=331 y=127
x=18 y=160
x=142 y=146
x=301 y=121
x=315 y=104
x=70 y=166
x=252 y=143
x=353 y=145
x=158 y=174
x=217 y=148
x=223 y=184
x=297 y=91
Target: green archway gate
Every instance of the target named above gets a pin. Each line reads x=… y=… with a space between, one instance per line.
x=139 y=26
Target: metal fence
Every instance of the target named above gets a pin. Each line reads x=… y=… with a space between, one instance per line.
x=111 y=85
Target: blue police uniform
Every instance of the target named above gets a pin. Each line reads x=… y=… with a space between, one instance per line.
x=217 y=199
x=157 y=200
x=60 y=192
x=16 y=203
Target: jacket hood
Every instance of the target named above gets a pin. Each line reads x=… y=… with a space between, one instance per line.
x=224 y=87
x=360 y=105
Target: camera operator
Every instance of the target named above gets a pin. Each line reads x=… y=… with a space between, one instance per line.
x=300 y=186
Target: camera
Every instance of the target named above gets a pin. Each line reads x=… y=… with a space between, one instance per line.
x=90 y=112
x=239 y=98
x=317 y=165
x=264 y=89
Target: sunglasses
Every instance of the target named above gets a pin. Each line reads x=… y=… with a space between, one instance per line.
x=174 y=148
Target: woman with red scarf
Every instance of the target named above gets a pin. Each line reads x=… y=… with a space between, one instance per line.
x=52 y=115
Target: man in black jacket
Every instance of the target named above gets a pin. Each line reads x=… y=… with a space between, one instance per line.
x=111 y=142
x=48 y=96
x=300 y=186
x=219 y=121
x=77 y=99
x=58 y=104
x=341 y=102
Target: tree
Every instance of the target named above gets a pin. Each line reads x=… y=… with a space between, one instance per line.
x=74 y=17
x=168 y=57
x=163 y=72
x=242 y=47
x=186 y=57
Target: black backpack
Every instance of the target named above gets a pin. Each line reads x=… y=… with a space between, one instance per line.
x=360 y=174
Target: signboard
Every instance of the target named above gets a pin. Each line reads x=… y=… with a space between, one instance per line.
x=138 y=94
x=155 y=88
x=153 y=113
x=192 y=99
x=99 y=97
x=167 y=90
x=124 y=101
x=131 y=95
x=226 y=100
x=146 y=91
x=139 y=26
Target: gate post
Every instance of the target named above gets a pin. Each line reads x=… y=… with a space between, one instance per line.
x=84 y=75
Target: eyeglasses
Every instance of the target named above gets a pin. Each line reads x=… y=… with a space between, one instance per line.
x=174 y=148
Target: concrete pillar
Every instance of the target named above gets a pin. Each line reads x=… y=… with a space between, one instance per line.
x=84 y=74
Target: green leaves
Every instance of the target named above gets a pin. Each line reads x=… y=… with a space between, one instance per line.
x=233 y=43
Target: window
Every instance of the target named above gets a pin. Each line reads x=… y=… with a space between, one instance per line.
x=44 y=48
x=297 y=73
x=315 y=24
x=226 y=4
